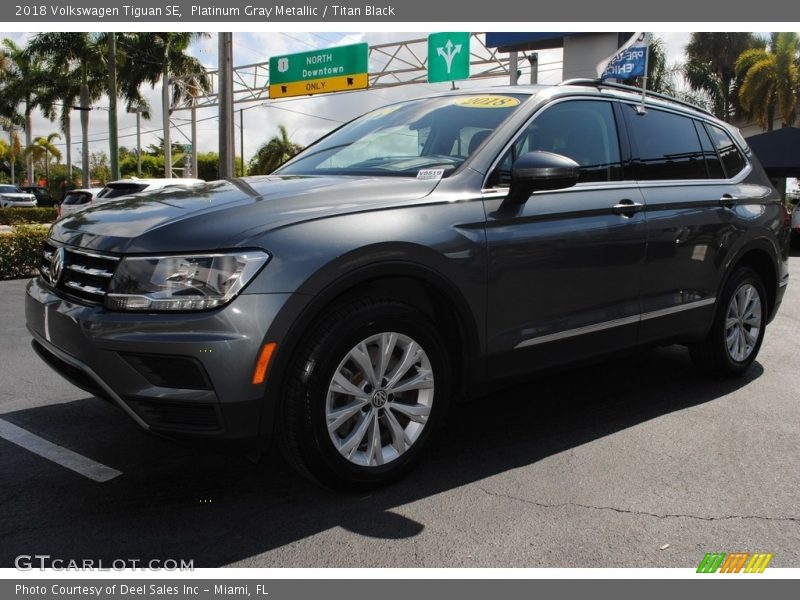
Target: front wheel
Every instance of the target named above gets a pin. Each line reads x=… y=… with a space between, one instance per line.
x=367 y=391
x=735 y=337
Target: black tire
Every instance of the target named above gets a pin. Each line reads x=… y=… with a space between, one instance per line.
x=712 y=356
x=303 y=431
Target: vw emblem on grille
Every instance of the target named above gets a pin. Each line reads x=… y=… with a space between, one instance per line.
x=57 y=266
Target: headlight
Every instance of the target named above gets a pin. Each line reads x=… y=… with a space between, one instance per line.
x=190 y=282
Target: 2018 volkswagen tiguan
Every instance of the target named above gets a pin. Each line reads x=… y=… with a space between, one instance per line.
x=339 y=304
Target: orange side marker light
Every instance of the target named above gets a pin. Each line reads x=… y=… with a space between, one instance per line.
x=260 y=374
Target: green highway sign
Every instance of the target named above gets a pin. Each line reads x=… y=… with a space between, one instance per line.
x=448 y=56
x=319 y=71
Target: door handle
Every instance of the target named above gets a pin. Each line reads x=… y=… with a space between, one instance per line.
x=627 y=208
x=727 y=201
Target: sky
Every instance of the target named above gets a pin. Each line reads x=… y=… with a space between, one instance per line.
x=306 y=118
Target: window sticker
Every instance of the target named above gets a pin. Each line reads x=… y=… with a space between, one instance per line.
x=487 y=101
x=430 y=173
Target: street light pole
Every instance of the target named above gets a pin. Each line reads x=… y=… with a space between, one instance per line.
x=138 y=112
x=165 y=89
x=226 y=142
x=533 y=59
x=241 y=139
x=112 y=105
x=194 y=139
x=513 y=67
x=13 y=158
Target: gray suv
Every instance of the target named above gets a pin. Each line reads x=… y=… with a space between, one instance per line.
x=417 y=254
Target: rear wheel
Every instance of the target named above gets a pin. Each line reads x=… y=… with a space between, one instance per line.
x=735 y=337
x=367 y=391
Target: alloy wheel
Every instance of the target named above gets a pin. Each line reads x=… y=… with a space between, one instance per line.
x=379 y=399
x=743 y=322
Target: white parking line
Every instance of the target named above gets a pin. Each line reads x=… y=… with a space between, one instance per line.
x=58 y=454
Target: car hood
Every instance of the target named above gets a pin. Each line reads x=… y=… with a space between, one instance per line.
x=222 y=214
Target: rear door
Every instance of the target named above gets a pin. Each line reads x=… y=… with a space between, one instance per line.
x=565 y=267
x=690 y=196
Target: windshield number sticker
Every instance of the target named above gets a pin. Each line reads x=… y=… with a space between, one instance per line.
x=487 y=101
x=430 y=173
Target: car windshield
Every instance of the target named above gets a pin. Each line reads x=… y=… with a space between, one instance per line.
x=9 y=189
x=409 y=138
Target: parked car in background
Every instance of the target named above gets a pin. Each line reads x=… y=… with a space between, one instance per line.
x=11 y=196
x=78 y=199
x=84 y=198
x=43 y=197
x=796 y=222
x=135 y=185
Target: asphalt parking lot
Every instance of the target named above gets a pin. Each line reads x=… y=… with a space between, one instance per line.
x=639 y=462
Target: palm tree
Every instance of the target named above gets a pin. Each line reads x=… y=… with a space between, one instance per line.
x=161 y=57
x=83 y=53
x=23 y=79
x=86 y=55
x=273 y=154
x=42 y=149
x=771 y=80
x=11 y=149
x=6 y=154
x=59 y=98
x=711 y=68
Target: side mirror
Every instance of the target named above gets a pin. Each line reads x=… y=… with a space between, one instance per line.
x=538 y=171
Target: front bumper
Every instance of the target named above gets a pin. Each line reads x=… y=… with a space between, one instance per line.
x=182 y=374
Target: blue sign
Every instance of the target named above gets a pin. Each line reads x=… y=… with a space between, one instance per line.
x=630 y=61
x=525 y=41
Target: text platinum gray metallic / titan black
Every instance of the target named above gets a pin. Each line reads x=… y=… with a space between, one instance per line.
x=426 y=250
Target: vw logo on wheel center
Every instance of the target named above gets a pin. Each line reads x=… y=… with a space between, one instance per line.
x=379 y=398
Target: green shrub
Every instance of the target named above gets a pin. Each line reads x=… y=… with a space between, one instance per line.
x=16 y=216
x=20 y=251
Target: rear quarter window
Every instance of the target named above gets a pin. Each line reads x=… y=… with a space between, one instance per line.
x=713 y=164
x=729 y=153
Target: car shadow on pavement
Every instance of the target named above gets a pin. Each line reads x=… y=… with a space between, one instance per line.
x=179 y=502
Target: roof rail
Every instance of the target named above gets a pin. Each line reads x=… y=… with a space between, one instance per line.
x=636 y=90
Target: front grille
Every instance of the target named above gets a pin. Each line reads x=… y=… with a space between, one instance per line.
x=84 y=274
x=177 y=415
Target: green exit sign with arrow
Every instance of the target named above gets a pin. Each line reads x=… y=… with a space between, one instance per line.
x=448 y=56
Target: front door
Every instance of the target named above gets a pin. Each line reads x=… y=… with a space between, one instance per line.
x=565 y=267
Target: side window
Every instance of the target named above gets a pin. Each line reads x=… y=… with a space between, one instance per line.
x=668 y=146
x=583 y=130
x=713 y=165
x=729 y=153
